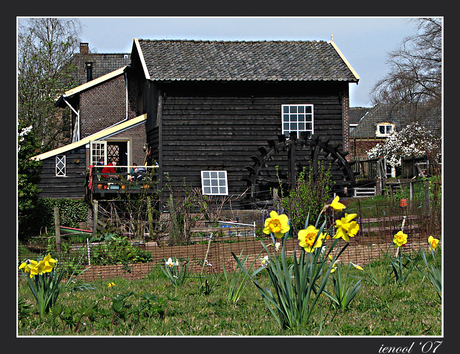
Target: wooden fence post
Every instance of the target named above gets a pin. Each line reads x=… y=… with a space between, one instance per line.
x=95 y=212
x=57 y=229
x=174 y=233
x=427 y=197
x=150 y=215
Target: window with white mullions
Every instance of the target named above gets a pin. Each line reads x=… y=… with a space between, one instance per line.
x=297 y=118
x=214 y=182
x=60 y=166
x=385 y=129
x=98 y=152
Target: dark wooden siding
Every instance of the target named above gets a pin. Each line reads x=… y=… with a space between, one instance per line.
x=154 y=142
x=71 y=186
x=219 y=126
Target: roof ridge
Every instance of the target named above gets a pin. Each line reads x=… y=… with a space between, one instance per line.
x=236 y=40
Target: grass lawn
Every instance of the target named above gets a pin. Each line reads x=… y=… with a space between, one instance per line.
x=154 y=307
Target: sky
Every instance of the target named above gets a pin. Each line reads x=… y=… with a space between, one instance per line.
x=364 y=41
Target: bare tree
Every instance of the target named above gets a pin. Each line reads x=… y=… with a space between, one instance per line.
x=45 y=49
x=415 y=74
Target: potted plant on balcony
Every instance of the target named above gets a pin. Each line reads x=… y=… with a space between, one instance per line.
x=147 y=182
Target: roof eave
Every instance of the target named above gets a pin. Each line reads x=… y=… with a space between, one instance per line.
x=96 y=136
x=87 y=85
x=355 y=74
x=141 y=58
x=171 y=80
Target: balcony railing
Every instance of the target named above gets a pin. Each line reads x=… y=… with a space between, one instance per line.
x=122 y=179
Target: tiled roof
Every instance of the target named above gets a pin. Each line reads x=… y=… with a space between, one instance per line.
x=400 y=115
x=102 y=64
x=357 y=113
x=188 y=60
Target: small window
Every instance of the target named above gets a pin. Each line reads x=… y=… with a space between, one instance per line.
x=60 y=166
x=385 y=129
x=214 y=182
x=297 y=118
x=98 y=152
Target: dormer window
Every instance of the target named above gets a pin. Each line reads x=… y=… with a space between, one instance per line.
x=384 y=129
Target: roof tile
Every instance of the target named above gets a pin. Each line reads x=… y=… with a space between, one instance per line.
x=188 y=60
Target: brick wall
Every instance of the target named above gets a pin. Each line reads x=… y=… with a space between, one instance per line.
x=346 y=121
x=105 y=105
x=102 y=106
x=138 y=139
x=360 y=147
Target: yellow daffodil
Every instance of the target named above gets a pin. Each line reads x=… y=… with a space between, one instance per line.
x=336 y=205
x=307 y=238
x=28 y=265
x=265 y=261
x=433 y=242
x=48 y=263
x=334 y=267
x=278 y=224
x=400 y=239
x=38 y=269
x=356 y=266
x=346 y=227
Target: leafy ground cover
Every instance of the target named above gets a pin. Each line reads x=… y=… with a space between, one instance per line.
x=206 y=305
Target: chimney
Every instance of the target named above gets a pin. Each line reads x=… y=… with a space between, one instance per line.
x=84 y=48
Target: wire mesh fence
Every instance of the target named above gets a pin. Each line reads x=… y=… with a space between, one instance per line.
x=209 y=249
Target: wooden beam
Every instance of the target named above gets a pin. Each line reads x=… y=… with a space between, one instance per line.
x=57 y=230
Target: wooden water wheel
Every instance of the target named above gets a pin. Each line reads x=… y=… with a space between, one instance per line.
x=279 y=163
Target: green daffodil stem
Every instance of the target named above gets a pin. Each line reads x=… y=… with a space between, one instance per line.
x=402 y=230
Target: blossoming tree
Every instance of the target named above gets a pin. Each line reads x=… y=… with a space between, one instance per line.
x=413 y=140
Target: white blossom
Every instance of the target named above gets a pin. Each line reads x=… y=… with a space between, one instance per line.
x=22 y=134
x=413 y=140
x=171 y=264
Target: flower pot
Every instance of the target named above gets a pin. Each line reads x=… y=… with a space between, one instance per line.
x=100 y=186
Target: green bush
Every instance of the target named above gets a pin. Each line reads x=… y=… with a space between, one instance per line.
x=308 y=197
x=71 y=212
x=118 y=250
x=28 y=177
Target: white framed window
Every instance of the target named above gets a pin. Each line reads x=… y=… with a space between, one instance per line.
x=61 y=166
x=297 y=118
x=98 y=152
x=214 y=182
x=385 y=129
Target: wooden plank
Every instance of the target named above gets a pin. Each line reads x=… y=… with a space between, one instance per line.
x=74 y=230
x=389 y=228
x=57 y=229
x=220 y=126
x=389 y=218
x=209 y=229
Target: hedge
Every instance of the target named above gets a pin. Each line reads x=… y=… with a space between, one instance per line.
x=71 y=212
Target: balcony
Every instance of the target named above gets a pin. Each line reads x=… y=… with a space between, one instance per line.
x=110 y=180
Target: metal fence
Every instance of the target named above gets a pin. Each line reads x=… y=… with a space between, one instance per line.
x=208 y=249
